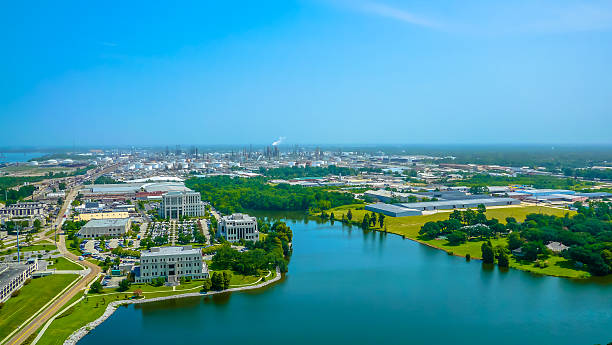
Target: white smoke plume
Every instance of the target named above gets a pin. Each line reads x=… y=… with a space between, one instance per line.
x=280 y=140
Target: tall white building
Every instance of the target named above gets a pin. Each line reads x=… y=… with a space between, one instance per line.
x=171 y=263
x=238 y=226
x=181 y=203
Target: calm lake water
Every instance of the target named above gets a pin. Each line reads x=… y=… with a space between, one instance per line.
x=350 y=287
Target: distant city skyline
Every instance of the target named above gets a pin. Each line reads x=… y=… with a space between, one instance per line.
x=327 y=72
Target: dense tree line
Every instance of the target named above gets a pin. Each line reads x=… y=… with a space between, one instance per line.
x=602 y=174
x=230 y=195
x=106 y=180
x=11 y=196
x=296 y=172
x=267 y=254
x=588 y=234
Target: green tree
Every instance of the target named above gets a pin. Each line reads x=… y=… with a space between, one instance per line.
x=381 y=219
x=37 y=225
x=227 y=277
x=503 y=260
x=124 y=285
x=96 y=287
x=206 y=285
x=217 y=281
x=365 y=223
x=456 y=237
x=514 y=241
x=349 y=215
x=488 y=257
x=482 y=208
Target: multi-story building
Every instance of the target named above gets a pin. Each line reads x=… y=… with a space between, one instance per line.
x=23 y=209
x=113 y=227
x=180 y=204
x=238 y=226
x=172 y=263
x=12 y=277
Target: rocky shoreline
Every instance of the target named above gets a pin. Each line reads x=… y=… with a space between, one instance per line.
x=112 y=306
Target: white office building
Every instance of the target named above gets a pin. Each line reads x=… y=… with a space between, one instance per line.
x=172 y=263
x=238 y=226
x=181 y=203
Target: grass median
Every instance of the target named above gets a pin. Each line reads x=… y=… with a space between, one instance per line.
x=31 y=298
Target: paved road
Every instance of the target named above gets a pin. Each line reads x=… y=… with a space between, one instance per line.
x=94 y=270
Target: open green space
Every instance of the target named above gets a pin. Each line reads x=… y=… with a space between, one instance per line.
x=62 y=263
x=34 y=247
x=409 y=227
x=31 y=298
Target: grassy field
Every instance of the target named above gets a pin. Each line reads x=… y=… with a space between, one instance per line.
x=409 y=228
x=31 y=298
x=64 y=264
x=34 y=247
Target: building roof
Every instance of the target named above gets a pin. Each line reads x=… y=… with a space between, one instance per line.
x=391 y=208
x=239 y=216
x=484 y=201
x=160 y=251
x=9 y=272
x=106 y=222
x=556 y=246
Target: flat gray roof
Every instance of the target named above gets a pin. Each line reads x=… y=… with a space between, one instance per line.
x=456 y=202
x=157 y=251
x=10 y=271
x=107 y=222
x=390 y=207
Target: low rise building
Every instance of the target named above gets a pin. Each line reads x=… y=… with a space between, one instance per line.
x=171 y=263
x=113 y=227
x=23 y=209
x=100 y=215
x=13 y=276
x=238 y=227
x=180 y=204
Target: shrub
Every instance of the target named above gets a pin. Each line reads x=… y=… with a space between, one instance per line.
x=468 y=257
x=15 y=293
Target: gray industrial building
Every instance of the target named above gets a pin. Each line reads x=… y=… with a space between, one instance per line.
x=463 y=203
x=417 y=208
x=392 y=210
x=112 y=227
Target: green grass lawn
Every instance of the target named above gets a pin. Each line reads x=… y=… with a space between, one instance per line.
x=64 y=264
x=409 y=227
x=31 y=298
x=34 y=247
x=74 y=318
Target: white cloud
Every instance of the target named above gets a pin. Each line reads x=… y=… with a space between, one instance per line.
x=399 y=14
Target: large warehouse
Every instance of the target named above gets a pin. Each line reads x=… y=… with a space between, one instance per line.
x=417 y=208
x=392 y=210
x=465 y=203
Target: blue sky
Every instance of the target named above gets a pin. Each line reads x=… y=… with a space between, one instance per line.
x=313 y=72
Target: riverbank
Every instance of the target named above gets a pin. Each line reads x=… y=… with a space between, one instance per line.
x=112 y=306
x=408 y=227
